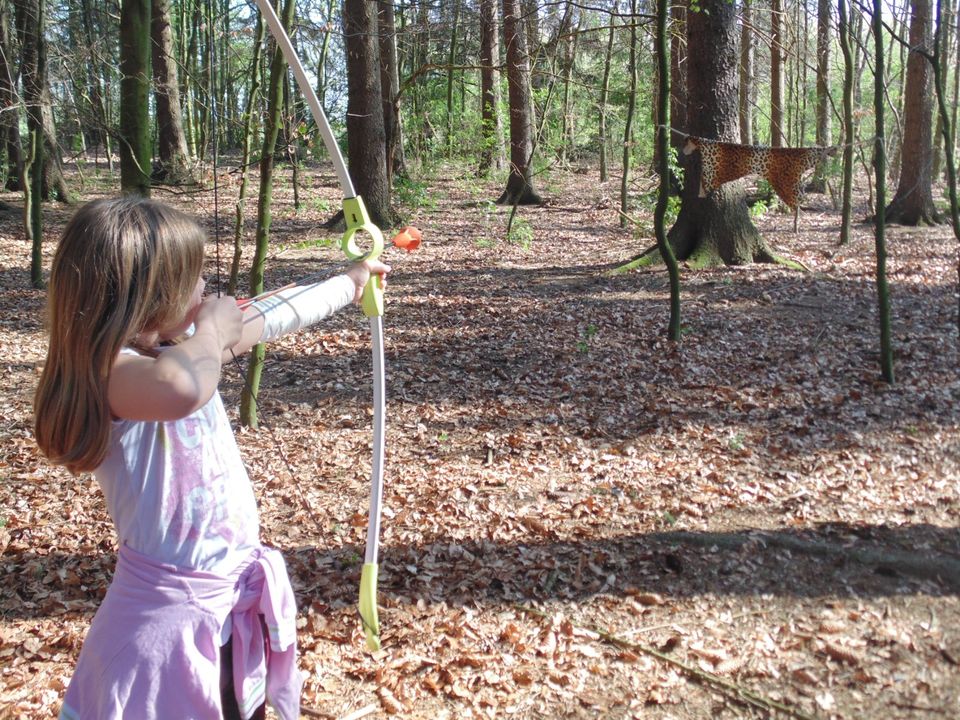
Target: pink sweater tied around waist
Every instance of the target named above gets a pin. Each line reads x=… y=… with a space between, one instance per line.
x=153 y=649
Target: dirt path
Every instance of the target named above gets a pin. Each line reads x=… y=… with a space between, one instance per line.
x=755 y=505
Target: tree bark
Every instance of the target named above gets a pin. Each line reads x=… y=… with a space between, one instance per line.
x=30 y=20
x=519 y=190
x=9 y=106
x=824 y=41
x=174 y=161
x=776 y=73
x=390 y=86
x=366 y=137
x=880 y=169
x=715 y=229
x=913 y=202
x=628 y=121
x=746 y=74
x=271 y=130
x=490 y=154
x=848 y=126
x=602 y=105
x=135 y=147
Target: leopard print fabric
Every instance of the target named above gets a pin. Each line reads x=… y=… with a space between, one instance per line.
x=783 y=168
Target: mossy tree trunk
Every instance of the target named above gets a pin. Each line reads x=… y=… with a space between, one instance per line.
x=135 y=145
x=274 y=117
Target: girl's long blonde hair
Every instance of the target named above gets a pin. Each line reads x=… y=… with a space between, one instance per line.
x=123 y=267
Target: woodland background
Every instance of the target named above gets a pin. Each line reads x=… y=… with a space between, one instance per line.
x=728 y=489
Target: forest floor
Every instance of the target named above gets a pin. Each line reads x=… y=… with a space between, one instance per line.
x=581 y=519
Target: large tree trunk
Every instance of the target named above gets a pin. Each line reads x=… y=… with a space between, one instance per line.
x=746 y=74
x=715 y=229
x=490 y=154
x=519 y=190
x=135 y=148
x=171 y=140
x=913 y=202
x=366 y=137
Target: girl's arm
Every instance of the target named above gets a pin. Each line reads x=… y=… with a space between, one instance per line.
x=182 y=378
x=302 y=306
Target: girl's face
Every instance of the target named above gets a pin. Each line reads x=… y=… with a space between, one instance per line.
x=181 y=327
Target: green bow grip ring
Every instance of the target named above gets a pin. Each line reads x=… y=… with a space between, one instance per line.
x=357 y=219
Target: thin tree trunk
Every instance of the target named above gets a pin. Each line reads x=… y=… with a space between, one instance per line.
x=272 y=122
x=883 y=291
x=390 y=86
x=628 y=122
x=602 y=105
x=247 y=139
x=776 y=73
x=490 y=153
x=451 y=59
x=848 y=127
x=32 y=66
x=10 y=106
x=824 y=41
x=663 y=145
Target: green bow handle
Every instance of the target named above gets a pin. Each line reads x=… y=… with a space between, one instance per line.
x=357 y=219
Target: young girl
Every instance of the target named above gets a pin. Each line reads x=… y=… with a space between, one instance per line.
x=199 y=621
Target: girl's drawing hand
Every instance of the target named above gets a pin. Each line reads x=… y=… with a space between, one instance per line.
x=223 y=314
x=360 y=274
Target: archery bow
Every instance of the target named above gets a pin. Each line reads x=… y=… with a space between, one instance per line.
x=356 y=219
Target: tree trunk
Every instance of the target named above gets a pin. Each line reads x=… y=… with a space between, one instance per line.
x=824 y=40
x=746 y=74
x=678 y=70
x=490 y=154
x=602 y=105
x=135 y=147
x=9 y=106
x=100 y=134
x=247 y=139
x=662 y=135
x=366 y=137
x=271 y=130
x=451 y=58
x=848 y=127
x=913 y=202
x=390 y=86
x=883 y=292
x=715 y=229
x=30 y=21
x=628 y=121
x=174 y=165
x=776 y=73
x=519 y=190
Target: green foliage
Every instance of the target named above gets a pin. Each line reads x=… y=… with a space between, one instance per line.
x=586 y=338
x=413 y=194
x=521 y=233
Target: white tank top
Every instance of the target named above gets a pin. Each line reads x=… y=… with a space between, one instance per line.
x=178 y=491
